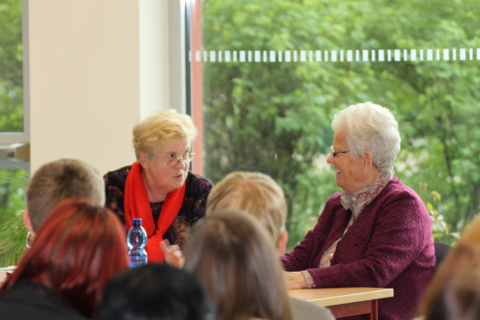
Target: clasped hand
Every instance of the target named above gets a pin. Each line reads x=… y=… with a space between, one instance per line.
x=172 y=254
x=294 y=280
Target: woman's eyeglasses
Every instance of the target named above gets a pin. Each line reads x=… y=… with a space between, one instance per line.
x=172 y=162
x=336 y=154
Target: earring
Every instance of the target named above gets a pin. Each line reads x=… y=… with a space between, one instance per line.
x=30 y=237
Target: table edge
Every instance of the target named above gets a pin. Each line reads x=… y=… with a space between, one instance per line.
x=379 y=293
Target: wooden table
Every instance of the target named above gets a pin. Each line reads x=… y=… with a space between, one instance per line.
x=346 y=302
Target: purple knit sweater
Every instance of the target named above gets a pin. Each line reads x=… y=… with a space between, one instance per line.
x=389 y=245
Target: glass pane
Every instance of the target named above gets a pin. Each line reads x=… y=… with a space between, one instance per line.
x=275 y=72
x=12 y=203
x=11 y=77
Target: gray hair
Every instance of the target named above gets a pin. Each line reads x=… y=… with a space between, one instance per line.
x=373 y=128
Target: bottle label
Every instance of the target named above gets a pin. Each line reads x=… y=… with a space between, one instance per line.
x=136 y=262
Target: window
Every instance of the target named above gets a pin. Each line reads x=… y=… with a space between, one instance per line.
x=13 y=115
x=11 y=59
x=13 y=129
x=275 y=72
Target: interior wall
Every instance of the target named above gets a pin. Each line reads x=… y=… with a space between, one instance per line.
x=154 y=55
x=85 y=74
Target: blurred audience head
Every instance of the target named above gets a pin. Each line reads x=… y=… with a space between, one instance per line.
x=257 y=194
x=234 y=258
x=78 y=249
x=57 y=181
x=464 y=257
x=460 y=299
x=155 y=292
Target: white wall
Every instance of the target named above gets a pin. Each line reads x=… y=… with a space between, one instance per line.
x=154 y=69
x=89 y=79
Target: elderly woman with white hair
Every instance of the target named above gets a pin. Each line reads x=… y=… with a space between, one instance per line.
x=375 y=234
x=158 y=187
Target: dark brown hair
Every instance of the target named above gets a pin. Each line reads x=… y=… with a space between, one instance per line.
x=234 y=258
x=155 y=292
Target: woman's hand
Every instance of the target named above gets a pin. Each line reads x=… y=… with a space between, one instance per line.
x=172 y=254
x=295 y=280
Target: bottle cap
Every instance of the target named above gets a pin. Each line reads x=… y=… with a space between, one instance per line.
x=137 y=221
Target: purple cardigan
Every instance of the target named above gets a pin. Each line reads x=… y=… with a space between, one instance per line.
x=390 y=245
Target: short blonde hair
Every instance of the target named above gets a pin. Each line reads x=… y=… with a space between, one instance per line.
x=159 y=127
x=255 y=193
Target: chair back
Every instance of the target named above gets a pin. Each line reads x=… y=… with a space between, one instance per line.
x=441 y=251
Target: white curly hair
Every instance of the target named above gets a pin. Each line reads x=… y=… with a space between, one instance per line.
x=373 y=128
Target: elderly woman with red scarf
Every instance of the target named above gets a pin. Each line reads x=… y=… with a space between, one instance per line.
x=158 y=187
x=377 y=233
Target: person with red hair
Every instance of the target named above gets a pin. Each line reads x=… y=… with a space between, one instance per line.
x=79 y=247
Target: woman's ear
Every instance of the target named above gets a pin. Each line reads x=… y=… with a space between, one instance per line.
x=27 y=221
x=143 y=160
x=367 y=160
x=282 y=243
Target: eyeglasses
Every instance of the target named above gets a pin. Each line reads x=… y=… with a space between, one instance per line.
x=172 y=162
x=336 y=154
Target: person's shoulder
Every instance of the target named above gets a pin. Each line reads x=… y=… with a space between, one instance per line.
x=334 y=201
x=306 y=310
x=123 y=171
x=395 y=185
x=332 y=206
x=401 y=199
x=198 y=182
x=335 y=198
x=25 y=300
x=396 y=190
x=117 y=177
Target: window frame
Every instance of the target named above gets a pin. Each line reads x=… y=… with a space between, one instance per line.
x=193 y=76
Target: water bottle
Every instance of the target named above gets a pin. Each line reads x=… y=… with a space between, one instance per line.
x=136 y=242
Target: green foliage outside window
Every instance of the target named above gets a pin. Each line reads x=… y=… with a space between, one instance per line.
x=11 y=70
x=12 y=182
x=275 y=117
x=440 y=229
x=12 y=203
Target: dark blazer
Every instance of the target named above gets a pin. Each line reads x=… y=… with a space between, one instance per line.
x=193 y=208
x=390 y=245
x=32 y=300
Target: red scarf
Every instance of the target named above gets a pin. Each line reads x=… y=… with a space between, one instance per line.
x=137 y=205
